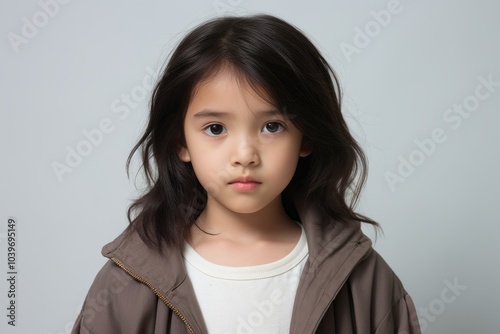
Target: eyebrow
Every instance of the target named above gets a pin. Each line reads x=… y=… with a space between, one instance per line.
x=219 y=114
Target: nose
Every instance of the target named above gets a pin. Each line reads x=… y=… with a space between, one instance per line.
x=245 y=153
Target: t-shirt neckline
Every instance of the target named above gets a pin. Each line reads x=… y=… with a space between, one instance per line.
x=278 y=267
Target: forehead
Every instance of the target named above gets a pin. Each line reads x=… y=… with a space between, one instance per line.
x=229 y=89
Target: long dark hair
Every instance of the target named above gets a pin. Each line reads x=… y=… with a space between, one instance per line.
x=271 y=54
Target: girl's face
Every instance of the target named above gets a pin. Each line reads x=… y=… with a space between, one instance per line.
x=233 y=133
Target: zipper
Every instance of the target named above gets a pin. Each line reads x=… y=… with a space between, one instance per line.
x=156 y=292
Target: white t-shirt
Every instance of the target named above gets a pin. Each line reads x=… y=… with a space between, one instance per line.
x=254 y=299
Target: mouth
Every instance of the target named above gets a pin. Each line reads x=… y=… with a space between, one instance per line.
x=244 y=180
x=244 y=183
x=244 y=186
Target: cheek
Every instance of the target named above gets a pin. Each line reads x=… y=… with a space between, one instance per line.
x=202 y=164
x=210 y=170
x=284 y=159
x=202 y=172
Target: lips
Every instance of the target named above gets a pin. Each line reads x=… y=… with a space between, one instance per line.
x=244 y=184
x=244 y=179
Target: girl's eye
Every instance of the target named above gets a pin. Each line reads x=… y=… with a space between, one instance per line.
x=215 y=129
x=274 y=127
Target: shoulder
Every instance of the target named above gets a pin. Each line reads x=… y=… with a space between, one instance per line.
x=374 y=269
x=112 y=282
x=388 y=303
x=114 y=299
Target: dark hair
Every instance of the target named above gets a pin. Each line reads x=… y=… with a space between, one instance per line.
x=268 y=53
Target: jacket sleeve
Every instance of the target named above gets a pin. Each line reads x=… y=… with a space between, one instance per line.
x=78 y=328
x=401 y=319
x=393 y=311
x=116 y=303
x=379 y=302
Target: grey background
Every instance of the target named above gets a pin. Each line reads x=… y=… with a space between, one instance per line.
x=441 y=224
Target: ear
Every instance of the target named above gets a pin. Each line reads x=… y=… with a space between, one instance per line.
x=305 y=150
x=184 y=154
x=304 y=153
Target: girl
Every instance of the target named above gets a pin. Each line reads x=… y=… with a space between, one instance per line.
x=248 y=223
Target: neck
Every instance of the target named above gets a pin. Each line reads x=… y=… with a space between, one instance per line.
x=266 y=223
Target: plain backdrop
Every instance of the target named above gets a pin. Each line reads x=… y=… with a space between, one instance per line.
x=421 y=86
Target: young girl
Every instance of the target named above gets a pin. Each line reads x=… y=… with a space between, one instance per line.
x=248 y=224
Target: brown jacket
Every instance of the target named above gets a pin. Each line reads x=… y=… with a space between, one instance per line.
x=345 y=288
